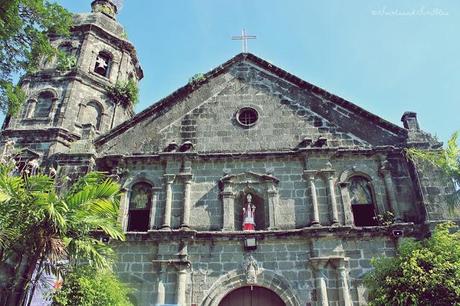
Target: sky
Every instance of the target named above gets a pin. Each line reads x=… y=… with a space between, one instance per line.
x=385 y=56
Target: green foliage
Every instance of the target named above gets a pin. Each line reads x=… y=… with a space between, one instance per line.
x=125 y=93
x=385 y=219
x=65 y=62
x=41 y=226
x=196 y=79
x=13 y=97
x=423 y=273
x=447 y=160
x=24 y=25
x=86 y=286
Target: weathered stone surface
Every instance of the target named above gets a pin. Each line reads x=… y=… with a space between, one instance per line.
x=200 y=162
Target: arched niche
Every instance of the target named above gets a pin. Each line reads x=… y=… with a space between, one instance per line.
x=264 y=187
x=360 y=201
x=42 y=104
x=91 y=113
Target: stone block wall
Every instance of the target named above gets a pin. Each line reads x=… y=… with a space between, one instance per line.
x=286 y=265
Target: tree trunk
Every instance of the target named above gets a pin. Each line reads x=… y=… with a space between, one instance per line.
x=20 y=289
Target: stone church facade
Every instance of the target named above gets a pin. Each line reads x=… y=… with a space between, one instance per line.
x=316 y=170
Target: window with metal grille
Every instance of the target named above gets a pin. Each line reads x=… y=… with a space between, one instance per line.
x=247 y=116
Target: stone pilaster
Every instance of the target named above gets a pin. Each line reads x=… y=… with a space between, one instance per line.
x=273 y=200
x=161 y=290
x=187 y=200
x=169 y=179
x=347 y=212
x=124 y=209
x=344 y=294
x=181 y=285
x=329 y=174
x=309 y=175
x=319 y=265
x=385 y=172
x=228 y=202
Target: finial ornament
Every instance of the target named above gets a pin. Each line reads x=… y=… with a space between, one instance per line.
x=107 y=7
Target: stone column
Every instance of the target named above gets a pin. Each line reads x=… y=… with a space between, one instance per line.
x=347 y=212
x=320 y=265
x=168 y=203
x=181 y=285
x=124 y=208
x=332 y=198
x=187 y=200
x=343 y=283
x=228 y=202
x=389 y=188
x=310 y=176
x=273 y=199
x=161 y=291
x=154 y=204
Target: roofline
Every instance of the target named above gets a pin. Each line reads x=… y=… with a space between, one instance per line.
x=281 y=73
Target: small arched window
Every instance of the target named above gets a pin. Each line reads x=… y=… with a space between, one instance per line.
x=93 y=114
x=43 y=106
x=140 y=203
x=362 y=201
x=103 y=64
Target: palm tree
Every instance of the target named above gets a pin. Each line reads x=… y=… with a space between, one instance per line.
x=41 y=227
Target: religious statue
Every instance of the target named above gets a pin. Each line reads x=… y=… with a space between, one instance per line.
x=249 y=210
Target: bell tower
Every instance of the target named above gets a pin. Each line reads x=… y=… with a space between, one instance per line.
x=68 y=101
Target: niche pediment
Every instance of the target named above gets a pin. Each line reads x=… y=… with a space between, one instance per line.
x=248 y=178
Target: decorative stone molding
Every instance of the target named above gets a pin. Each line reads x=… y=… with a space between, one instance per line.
x=320 y=265
x=266 y=186
x=251 y=268
x=238 y=278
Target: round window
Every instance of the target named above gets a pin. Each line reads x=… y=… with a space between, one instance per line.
x=247 y=116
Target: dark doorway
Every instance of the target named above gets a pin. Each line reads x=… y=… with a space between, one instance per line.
x=252 y=296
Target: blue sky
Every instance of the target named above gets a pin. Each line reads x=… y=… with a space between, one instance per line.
x=385 y=56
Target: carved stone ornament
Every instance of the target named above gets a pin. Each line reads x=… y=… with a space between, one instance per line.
x=251 y=270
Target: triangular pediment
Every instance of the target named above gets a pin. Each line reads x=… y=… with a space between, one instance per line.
x=291 y=114
x=248 y=178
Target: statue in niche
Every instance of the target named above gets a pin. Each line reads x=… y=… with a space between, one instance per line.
x=249 y=210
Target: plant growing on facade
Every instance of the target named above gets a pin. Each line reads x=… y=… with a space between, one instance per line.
x=65 y=62
x=24 y=25
x=196 y=79
x=87 y=286
x=125 y=93
x=385 y=219
x=447 y=160
x=41 y=227
x=424 y=272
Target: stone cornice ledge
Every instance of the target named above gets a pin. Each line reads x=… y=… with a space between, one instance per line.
x=408 y=230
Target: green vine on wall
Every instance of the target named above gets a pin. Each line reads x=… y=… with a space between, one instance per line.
x=126 y=93
x=65 y=62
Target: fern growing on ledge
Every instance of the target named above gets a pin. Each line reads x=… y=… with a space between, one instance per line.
x=126 y=93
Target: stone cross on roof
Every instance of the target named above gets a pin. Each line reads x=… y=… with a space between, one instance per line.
x=244 y=40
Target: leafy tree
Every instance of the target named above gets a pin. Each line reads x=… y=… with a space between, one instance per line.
x=86 y=286
x=24 y=28
x=447 y=160
x=424 y=272
x=40 y=227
